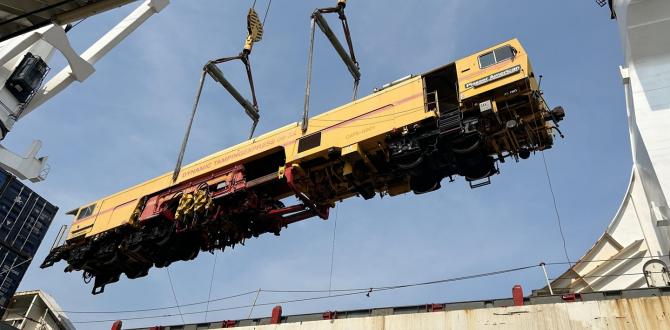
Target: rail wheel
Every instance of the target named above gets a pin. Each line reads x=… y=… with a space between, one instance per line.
x=421 y=184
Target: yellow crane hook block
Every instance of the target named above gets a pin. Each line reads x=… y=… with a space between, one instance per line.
x=254 y=28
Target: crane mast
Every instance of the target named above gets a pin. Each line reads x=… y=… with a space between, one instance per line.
x=24 y=66
x=633 y=251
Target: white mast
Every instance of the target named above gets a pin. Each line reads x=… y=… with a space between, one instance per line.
x=635 y=247
x=42 y=43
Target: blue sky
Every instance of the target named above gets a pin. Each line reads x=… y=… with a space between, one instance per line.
x=124 y=125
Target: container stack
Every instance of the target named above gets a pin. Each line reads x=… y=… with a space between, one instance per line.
x=24 y=220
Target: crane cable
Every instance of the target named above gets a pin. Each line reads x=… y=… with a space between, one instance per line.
x=267 y=10
x=174 y=294
x=558 y=215
x=359 y=292
x=366 y=292
x=557 y=263
x=243 y=57
x=350 y=293
x=549 y=184
x=159 y=308
x=349 y=58
x=332 y=252
x=187 y=134
x=211 y=284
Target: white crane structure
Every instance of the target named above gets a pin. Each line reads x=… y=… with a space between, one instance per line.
x=23 y=61
x=633 y=251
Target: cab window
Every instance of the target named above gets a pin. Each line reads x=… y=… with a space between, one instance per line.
x=86 y=211
x=504 y=53
x=496 y=56
x=487 y=59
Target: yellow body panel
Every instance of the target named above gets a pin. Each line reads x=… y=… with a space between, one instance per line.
x=365 y=122
x=362 y=120
x=459 y=120
x=469 y=70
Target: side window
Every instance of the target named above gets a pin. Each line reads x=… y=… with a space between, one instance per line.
x=504 y=53
x=496 y=56
x=86 y=211
x=487 y=59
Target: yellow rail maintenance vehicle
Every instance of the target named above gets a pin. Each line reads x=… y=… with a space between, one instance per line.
x=461 y=119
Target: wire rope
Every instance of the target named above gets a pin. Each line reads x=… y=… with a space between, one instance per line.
x=174 y=293
x=211 y=284
x=332 y=252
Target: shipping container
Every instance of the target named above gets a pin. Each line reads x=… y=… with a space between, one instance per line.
x=24 y=220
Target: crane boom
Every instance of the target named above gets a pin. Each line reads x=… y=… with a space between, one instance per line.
x=23 y=92
x=95 y=52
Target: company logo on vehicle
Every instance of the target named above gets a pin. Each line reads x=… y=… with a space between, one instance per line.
x=494 y=77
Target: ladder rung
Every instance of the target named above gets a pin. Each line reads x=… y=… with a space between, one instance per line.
x=450 y=121
x=483 y=182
